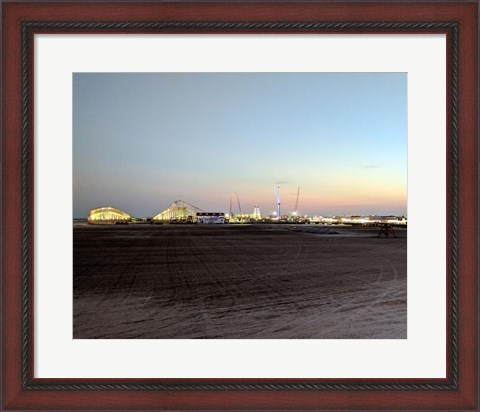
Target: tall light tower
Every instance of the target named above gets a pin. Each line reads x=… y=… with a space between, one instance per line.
x=277 y=193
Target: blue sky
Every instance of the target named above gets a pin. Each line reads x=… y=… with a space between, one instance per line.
x=143 y=140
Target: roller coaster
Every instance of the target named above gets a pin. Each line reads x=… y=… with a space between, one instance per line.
x=178 y=212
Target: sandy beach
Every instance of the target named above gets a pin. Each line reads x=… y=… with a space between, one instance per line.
x=238 y=282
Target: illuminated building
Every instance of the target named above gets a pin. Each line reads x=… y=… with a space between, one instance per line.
x=108 y=215
x=210 y=217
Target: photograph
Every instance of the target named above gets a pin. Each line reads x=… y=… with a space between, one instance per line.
x=240 y=205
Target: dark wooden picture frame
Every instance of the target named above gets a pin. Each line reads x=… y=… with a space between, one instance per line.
x=458 y=20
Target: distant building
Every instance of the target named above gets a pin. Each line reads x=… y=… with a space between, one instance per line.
x=106 y=215
x=210 y=217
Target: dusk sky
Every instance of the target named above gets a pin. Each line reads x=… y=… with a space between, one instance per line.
x=143 y=140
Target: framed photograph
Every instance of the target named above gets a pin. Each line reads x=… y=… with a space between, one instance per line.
x=240 y=205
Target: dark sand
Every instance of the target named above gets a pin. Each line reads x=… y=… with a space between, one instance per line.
x=238 y=282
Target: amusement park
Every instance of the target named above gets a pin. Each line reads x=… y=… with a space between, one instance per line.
x=239 y=205
x=181 y=212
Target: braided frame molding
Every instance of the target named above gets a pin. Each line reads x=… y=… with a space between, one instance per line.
x=27 y=181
